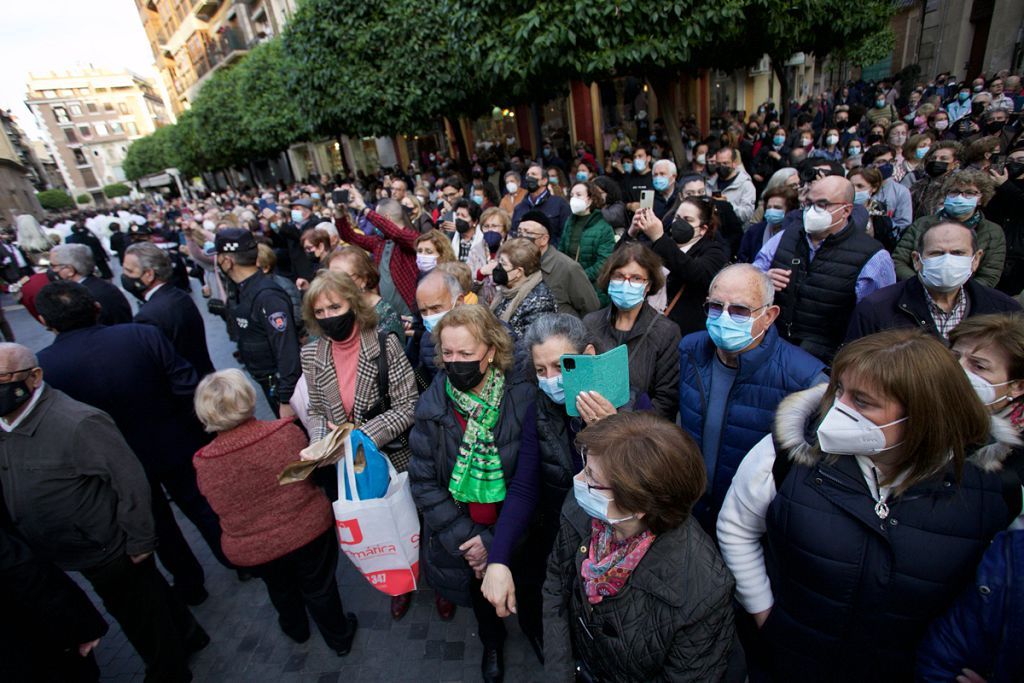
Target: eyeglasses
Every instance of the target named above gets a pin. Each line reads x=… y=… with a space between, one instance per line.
x=969 y=194
x=632 y=279
x=582 y=450
x=738 y=313
x=6 y=377
x=822 y=204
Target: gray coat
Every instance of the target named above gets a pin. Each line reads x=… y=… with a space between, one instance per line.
x=568 y=284
x=72 y=487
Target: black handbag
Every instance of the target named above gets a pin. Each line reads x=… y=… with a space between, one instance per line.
x=383 y=403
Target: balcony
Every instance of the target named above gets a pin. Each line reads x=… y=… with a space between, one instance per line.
x=226 y=47
x=205 y=9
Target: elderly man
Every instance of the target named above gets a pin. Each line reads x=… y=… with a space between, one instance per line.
x=822 y=268
x=565 y=277
x=76 y=493
x=74 y=262
x=664 y=182
x=514 y=192
x=540 y=198
x=733 y=183
x=146 y=272
x=437 y=293
x=734 y=375
x=302 y=219
x=943 y=293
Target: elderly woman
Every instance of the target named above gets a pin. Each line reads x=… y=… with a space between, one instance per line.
x=862 y=516
x=483 y=256
x=358 y=265
x=636 y=591
x=631 y=274
x=432 y=247
x=282 y=534
x=466 y=471
x=966 y=192
x=587 y=238
x=317 y=244
x=522 y=295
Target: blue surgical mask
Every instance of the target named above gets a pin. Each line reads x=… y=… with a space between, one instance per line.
x=626 y=295
x=729 y=335
x=774 y=216
x=640 y=165
x=627 y=167
x=478 y=199
x=854 y=152
x=314 y=195
x=920 y=152
x=959 y=205
x=593 y=503
x=430 y=321
x=209 y=248
x=553 y=387
x=861 y=197
x=660 y=183
x=779 y=140
x=582 y=176
x=296 y=216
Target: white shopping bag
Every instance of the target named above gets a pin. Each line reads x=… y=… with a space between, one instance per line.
x=381 y=536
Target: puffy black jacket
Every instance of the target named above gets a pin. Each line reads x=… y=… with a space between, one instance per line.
x=672 y=621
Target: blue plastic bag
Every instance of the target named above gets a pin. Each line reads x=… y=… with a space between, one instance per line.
x=370 y=466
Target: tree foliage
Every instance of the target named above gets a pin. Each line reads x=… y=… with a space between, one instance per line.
x=84 y=198
x=269 y=120
x=55 y=200
x=116 y=190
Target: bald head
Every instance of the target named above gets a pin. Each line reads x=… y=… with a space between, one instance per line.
x=16 y=357
x=836 y=189
x=748 y=285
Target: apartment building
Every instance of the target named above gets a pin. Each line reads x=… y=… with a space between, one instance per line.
x=89 y=117
x=19 y=175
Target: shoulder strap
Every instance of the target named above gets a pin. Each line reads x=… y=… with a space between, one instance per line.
x=382 y=372
x=782 y=465
x=675 y=299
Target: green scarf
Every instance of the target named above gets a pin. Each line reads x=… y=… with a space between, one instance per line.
x=477 y=476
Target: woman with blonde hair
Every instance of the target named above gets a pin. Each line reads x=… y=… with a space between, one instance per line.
x=433 y=247
x=522 y=295
x=358 y=265
x=483 y=256
x=851 y=541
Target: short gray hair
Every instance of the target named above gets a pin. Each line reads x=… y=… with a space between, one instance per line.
x=391 y=209
x=780 y=177
x=224 y=400
x=563 y=325
x=672 y=170
x=18 y=355
x=759 y=276
x=78 y=256
x=450 y=282
x=152 y=257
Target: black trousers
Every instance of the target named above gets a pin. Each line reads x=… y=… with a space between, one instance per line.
x=154 y=620
x=302 y=580
x=269 y=386
x=529 y=600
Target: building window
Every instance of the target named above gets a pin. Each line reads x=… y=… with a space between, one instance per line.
x=91 y=106
x=108 y=106
x=122 y=107
x=101 y=129
x=79 y=157
x=85 y=131
x=116 y=128
x=89 y=177
x=132 y=128
x=69 y=133
x=61 y=114
x=76 y=110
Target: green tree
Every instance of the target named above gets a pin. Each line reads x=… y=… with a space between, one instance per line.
x=270 y=120
x=217 y=114
x=55 y=200
x=116 y=190
x=84 y=198
x=152 y=154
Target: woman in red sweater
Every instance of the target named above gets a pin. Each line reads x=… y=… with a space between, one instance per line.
x=282 y=534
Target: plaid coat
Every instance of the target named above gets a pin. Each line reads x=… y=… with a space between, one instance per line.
x=325 y=398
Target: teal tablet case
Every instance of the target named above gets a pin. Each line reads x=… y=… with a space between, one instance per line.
x=607 y=374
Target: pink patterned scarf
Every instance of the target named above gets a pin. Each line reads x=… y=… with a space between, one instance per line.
x=611 y=562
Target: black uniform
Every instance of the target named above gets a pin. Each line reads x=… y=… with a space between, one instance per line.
x=268 y=341
x=82 y=235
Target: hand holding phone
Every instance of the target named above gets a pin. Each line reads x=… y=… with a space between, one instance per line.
x=646 y=199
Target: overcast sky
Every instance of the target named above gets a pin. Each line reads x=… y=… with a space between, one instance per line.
x=40 y=35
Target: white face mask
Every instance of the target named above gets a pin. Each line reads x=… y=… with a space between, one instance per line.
x=702 y=159
x=947 y=272
x=426 y=262
x=511 y=188
x=578 y=205
x=844 y=431
x=985 y=390
x=817 y=220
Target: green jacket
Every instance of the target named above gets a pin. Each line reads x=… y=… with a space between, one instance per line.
x=991 y=240
x=589 y=240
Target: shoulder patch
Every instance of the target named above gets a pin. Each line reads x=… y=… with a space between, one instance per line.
x=279 y=321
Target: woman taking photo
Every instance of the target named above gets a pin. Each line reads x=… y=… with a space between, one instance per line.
x=692 y=254
x=844 y=547
x=358 y=265
x=522 y=295
x=587 y=238
x=466 y=472
x=867 y=182
x=630 y=275
x=317 y=244
x=282 y=534
x=636 y=591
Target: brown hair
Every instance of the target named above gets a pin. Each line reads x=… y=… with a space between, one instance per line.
x=362 y=265
x=460 y=271
x=502 y=215
x=594 y=193
x=327 y=281
x=651 y=465
x=484 y=326
x=788 y=194
x=969 y=177
x=522 y=253
x=441 y=243
x=315 y=237
x=918 y=371
x=642 y=256
x=1004 y=330
x=870 y=174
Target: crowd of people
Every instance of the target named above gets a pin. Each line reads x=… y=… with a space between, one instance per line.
x=817 y=475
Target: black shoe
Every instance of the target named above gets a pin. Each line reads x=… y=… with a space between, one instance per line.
x=243 y=574
x=493 y=665
x=299 y=633
x=537 y=643
x=193 y=596
x=346 y=643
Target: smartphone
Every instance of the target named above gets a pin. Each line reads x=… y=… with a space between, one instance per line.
x=340 y=197
x=646 y=199
x=607 y=374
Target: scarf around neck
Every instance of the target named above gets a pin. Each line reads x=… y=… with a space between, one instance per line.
x=477 y=476
x=971 y=222
x=516 y=294
x=610 y=563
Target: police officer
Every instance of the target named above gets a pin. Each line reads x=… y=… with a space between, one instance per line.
x=143 y=233
x=261 y=315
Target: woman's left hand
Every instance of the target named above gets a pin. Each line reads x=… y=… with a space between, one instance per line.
x=475 y=554
x=593 y=407
x=489 y=268
x=499 y=589
x=651 y=225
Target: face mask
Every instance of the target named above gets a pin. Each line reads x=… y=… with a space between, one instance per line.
x=817 y=220
x=779 y=140
x=593 y=503
x=296 y=216
x=844 y=431
x=552 y=386
x=879 y=103
x=963 y=96
x=134 y=286
x=13 y=395
x=985 y=390
x=832 y=140
x=660 y=183
x=994 y=126
x=547 y=151
x=338 y=327
x=729 y=335
x=627 y=167
x=947 y=272
x=463 y=226
x=774 y=216
x=625 y=295
x=978 y=88
x=478 y=200
x=959 y=206
x=314 y=195
x=464 y=374
x=51 y=275
x=806 y=143
x=426 y=262
x=639 y=165
x=861 y=197
x=886 y=170
x=898 y=140
x=493 y=240
x=430 y=321
x=511 y=188
x=920 y=152
x=581 y=176
x=936 y=168
x=531 y=184
x=682 y=231
x=941 y=124
x=578 y=205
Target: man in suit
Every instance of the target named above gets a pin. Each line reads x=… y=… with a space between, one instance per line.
x=74 y=262
x=147 y=269
x=132 y=373
x=83 y=235
x=139 y=233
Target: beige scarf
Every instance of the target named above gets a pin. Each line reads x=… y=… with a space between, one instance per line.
x=517 y=294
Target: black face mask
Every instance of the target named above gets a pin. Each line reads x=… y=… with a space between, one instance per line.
x=134 y=285
x=464 y=374
x=711 y=169
x=500 y=276
x=531 y=184
x=682 y=231
x=13 y=395
x=993 y=127
x=936 y=168
x=338 y=327
x=1014 y=169
x=51 y=275
x=463 y=226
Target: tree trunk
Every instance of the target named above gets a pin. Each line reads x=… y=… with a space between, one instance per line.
x=288 y=162
x=784 y=86
x=667 y=110
x=253 y=178
x=460 y=144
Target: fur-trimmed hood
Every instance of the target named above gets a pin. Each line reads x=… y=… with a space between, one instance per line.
x=793 y=422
